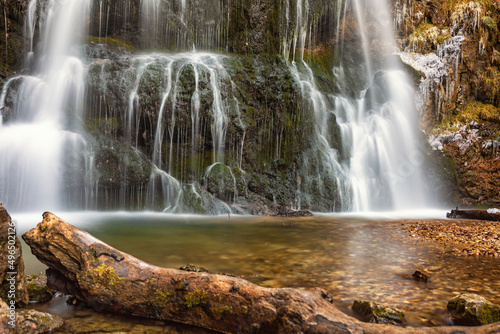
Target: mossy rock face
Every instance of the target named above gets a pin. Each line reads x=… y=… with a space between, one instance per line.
x=219 y=180
x=38 y=289
x=473 y=310
x=378 y=313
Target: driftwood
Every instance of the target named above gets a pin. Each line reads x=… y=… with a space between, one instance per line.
x=473 y=214
x=109 y=280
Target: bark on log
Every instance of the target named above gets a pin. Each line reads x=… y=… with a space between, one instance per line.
x=109 y=280
x=473 y=214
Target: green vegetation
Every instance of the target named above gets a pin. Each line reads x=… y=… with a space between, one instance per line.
x=107 y=276
x=478 y=112
x=427 y=33
x=196 y=297
x=160 y=298
x=473 y=310
x=37 y=290
x=219 y=309
x=113 y=43
x=321 y=60
x=108 y=126
x=489 y=22
x=491 y=81
x=473 y=111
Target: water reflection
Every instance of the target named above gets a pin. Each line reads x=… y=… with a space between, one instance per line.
x=351 y=258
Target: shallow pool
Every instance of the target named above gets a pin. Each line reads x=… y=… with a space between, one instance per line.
x=352 y=258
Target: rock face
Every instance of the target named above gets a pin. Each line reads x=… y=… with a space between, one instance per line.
x=377 y=313
x=453 y=48
x=12 y=278
x=473 y=310
x=11 y=38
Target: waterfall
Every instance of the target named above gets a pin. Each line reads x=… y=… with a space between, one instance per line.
x=172 y=87
x=44 y=120
x=145 y=121
x=181 y=24
x=379 y=163
x=380 y=125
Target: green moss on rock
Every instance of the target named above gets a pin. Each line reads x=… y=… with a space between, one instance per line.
x=378 y=313
x=427 y=33
x=112 y=43
x=37 y=288
x=473 y=310
x=489 y=22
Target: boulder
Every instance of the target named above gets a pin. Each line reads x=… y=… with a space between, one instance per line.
x=473 y=310
x=378 y=313
x=420 y=276
x=12 y=278
x=27 y=321
x=38 y=289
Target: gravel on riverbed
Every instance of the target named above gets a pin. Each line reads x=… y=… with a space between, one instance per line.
x=460 y=237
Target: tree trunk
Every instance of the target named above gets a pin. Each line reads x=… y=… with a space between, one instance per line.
x=109 y=280
x=473 y=214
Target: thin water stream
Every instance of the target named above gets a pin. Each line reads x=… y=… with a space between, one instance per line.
x=352 y=258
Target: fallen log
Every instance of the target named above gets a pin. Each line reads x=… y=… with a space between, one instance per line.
x=109 y=280
x=473 y=214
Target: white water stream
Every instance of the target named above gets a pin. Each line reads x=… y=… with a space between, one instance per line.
x=379 y=166
x=47 y=112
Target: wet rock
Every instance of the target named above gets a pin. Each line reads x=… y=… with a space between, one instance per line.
x=13 y=281
x=284 y=211
x=37 y=288
x=473 y=310
x=420 y=276
x=220 y=181
x=27 y=321
x=378 y=313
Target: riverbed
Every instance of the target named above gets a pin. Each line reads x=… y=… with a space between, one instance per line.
x=352 y=257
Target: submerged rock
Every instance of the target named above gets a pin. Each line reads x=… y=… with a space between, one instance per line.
x=285 y=211
x=378 y=313
x=473 y=310
x=420 y=276
x=13 y=281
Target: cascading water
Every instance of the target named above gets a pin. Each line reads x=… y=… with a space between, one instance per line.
x=102 y=127
x=43 y=125
x=380 y=127
x=183 y=25
x=179 y=82
x=379 y=164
